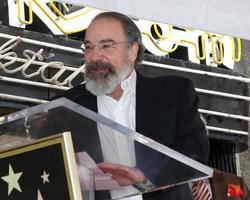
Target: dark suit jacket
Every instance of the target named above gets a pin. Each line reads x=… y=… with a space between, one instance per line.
x=166 y=111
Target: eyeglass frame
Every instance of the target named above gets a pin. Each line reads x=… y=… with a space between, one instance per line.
x=101 y=45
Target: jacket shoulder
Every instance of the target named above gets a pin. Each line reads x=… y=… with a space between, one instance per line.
x=168 y=81
x=72 y=93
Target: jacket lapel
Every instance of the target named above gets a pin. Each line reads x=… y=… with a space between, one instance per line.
x=85 y=98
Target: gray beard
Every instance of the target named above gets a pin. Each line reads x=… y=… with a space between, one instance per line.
x=107 y=84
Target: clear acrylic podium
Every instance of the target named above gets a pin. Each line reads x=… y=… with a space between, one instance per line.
x=100 y=139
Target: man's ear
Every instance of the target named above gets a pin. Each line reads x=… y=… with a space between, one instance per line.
x=133 y=51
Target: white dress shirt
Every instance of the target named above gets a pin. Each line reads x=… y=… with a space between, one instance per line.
x=117 y=148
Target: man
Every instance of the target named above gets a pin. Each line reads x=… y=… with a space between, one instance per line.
x=163 y=109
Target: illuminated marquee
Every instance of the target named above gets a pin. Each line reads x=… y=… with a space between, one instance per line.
x=9 y=58
x=159 y=39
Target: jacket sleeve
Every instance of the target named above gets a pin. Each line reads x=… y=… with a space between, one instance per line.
x=192 y=139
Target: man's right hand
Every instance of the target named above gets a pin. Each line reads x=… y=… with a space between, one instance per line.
x=122 y=174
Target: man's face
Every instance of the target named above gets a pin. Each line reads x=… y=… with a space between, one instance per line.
x=107 y=56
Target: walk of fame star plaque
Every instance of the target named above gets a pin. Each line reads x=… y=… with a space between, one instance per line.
x=44 y=169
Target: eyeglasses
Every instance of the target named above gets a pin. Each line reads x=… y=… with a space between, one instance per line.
x=106 y=46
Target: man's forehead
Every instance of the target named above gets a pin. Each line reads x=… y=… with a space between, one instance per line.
x=104 y=29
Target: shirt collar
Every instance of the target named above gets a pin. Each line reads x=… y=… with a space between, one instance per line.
x=129 y=83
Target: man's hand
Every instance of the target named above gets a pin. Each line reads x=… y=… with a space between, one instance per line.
x=123 y=175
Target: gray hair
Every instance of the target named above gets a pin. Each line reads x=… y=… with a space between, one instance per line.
x=131 y=31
